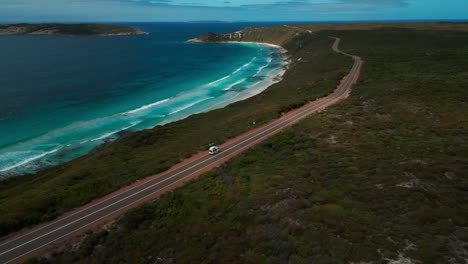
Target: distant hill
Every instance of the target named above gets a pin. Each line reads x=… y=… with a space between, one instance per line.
x=282 y=34
x=278 y=35
x=208 y=21
x=69 y=29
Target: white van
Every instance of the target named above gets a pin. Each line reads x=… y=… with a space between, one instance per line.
x=214 y=150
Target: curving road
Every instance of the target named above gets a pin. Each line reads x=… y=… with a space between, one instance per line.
x=37 y=240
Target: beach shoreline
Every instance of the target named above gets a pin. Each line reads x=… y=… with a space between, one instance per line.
x=256 y=43
x=42 y=161
x=196 y=40
x=148 y=152
x=274 y=78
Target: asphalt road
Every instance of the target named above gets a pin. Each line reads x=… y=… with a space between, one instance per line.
x=22 y=246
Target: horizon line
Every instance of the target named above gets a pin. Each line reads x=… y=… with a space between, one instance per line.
x=215 y=21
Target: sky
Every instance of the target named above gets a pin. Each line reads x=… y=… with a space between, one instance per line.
x=229 y=10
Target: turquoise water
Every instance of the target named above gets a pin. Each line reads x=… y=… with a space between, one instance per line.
x=61 y=97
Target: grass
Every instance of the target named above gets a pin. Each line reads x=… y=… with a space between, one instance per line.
x=379 y=177
x=33 y=199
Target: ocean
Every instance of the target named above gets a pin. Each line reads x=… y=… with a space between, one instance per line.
x=61 y=97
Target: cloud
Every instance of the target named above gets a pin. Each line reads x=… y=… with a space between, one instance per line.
x=297 y=5
x=332 y=6
x=228 y=10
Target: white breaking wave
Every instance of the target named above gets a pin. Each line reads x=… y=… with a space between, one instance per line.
x=189 y=105
x=219 y=80
x=28 y=160
x=110 y=133
x=234 y=84
x=233 y=73
x=244 y=66
x=255 y=84
x=146 y=107
x=114 y=132
x=263 y=67
x=16 y=158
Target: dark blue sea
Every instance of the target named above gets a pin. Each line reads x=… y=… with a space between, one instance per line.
x=61 y=97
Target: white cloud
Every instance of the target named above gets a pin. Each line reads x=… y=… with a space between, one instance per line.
x=279 y=4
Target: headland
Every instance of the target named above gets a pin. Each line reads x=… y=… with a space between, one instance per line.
x=69 y=30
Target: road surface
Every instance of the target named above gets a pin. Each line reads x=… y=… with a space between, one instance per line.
x=37 y=240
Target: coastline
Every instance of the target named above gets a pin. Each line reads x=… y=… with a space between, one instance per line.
x=196 y=40
x=274 y=77
x=285 y=121
x=68 y=30
x=147 y=152
x=316 y=179
x=257 y=43
x=51 y=158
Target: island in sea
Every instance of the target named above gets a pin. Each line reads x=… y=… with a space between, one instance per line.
x=69 y=30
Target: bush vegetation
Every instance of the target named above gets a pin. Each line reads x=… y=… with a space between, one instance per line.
x=32 y=199
x=379 y=177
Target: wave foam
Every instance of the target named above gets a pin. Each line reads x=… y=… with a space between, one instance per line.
x=65 y=137
x=145 y=107
x=244 y=66
x=28 y=160
x=219 y=80
x=234 y=84
x=233 y=73
x=189 y=105
x=110 y=133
